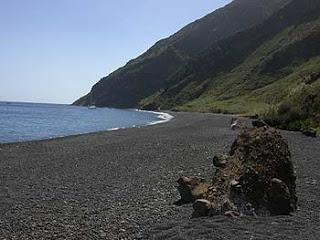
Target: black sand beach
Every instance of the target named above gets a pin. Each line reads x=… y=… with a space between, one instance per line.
x=120 y=185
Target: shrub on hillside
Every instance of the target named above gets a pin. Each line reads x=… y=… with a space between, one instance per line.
x=299 y=111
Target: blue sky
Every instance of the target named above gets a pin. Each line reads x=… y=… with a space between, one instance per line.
x=55 y=50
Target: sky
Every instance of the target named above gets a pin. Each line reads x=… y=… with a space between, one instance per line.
x=54 y=51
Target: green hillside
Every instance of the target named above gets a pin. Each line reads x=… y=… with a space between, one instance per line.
x=151 y=71
x=272 y=70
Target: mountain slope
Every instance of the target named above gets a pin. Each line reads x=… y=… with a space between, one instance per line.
x=248 y=61
x=272 y=69
x=150 y=72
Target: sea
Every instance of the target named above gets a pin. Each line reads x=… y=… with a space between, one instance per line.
x=21 y=122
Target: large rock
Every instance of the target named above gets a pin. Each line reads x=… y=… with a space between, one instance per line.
x=261 y=155
x=257 y=178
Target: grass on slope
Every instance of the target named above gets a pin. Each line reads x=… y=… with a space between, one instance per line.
x=300 y=109
x=257 y=101
x=273 y=78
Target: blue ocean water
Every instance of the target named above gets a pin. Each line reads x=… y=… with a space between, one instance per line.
x=36 y=121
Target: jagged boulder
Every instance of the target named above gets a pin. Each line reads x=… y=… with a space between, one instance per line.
x=257 y=178
x=262 y=155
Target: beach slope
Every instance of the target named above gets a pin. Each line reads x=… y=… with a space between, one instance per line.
x=121 y=185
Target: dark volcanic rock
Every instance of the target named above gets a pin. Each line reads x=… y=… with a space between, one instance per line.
x=192 y=188
x=234 y=124
x=257 y=178
x=263 y=155
x=220 y=161
x=259 y=123
x=201 y=208
x=279 y=197
x=310 y=132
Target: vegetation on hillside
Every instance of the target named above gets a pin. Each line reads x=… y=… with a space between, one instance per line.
x=230 y=62
x=261 y=71
x=150 y=72
x=300 y=110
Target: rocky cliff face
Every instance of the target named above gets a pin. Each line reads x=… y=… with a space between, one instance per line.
x=147 y=74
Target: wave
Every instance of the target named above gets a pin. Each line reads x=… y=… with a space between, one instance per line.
x=163 y=117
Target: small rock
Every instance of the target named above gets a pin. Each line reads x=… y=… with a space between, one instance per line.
x=201 y=208
x=103 y=234
x=259 y=123
x=220 y=161
x=234 y=124
x=310 y=132
x=212 y=189
x=227 y=206
x=232 y=214
x=250 y=210
x=234 y=183
x=314 y=182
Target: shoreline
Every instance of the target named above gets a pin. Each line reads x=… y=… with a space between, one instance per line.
x=121 y=184
x=162 y=116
